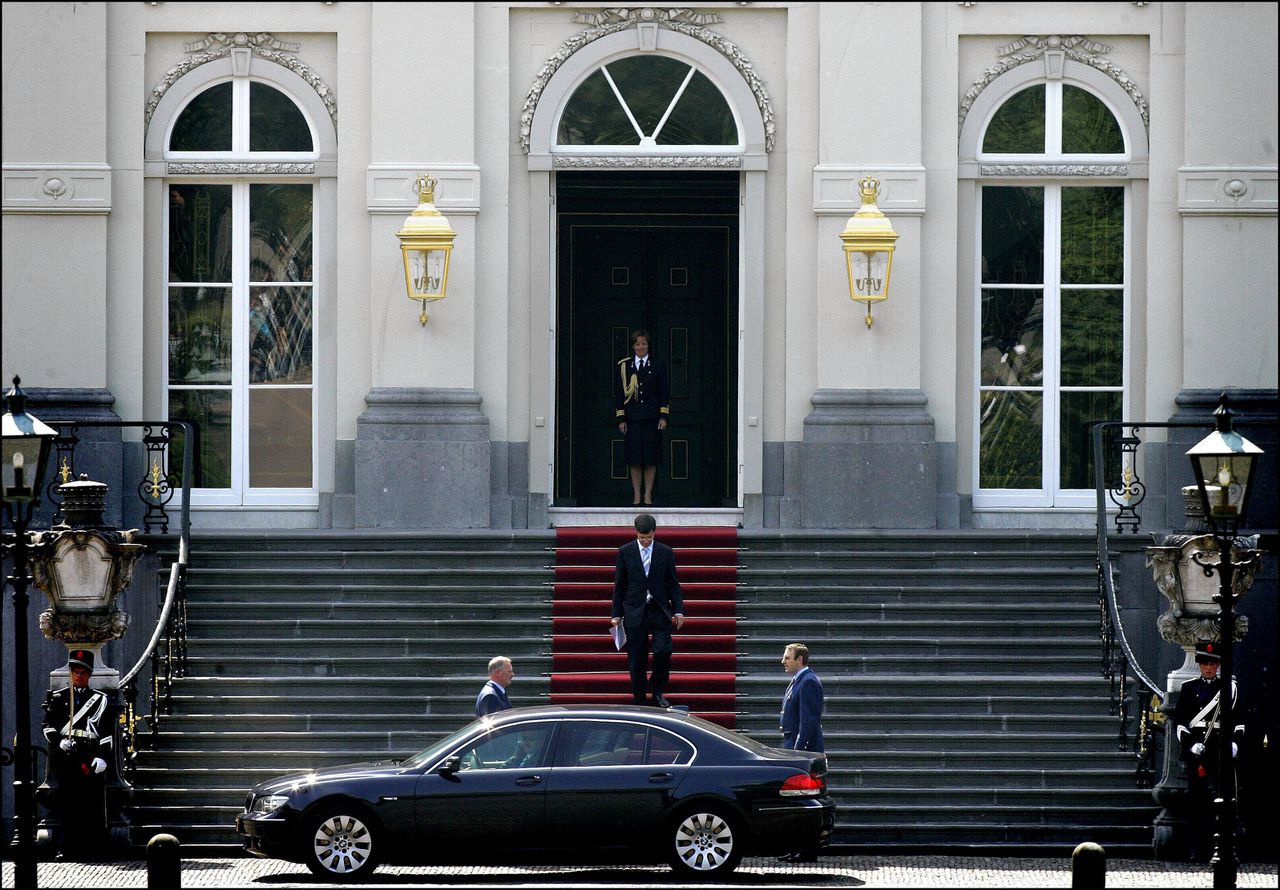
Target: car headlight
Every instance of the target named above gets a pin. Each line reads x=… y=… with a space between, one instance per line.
x=269 y=803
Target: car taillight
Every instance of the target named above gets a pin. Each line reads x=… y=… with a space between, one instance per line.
x=803 y=786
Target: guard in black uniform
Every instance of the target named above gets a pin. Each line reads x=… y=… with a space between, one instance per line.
x=641 y=396
x=80 y=749
x=1197 y=723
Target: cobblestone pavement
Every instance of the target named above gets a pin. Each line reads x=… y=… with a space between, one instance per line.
x=831 y=871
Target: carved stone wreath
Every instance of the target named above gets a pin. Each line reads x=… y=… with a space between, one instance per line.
x=238 y=168
x=615 y=19
x=603 y=162
x=1076 y=48
x=218 y=45
x=1054 y=169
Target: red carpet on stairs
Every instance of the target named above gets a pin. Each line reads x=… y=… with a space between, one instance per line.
x=585 y=666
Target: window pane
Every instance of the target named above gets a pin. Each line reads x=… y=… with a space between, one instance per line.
x=279 y=438
x=1079 y=410
x=199 y=335
x=648 y=83
x=664 y=748
x=1012 y=337
x=701 y=117
x=275 y=122
x=1018 y=126
x=205 y=124
x=280 y=335
x=1093 y=235
x=210 y=411
x=280 y=233
x=594 y=117
x=510 y=748
x=609 y=744
x=1088 y=126
x=1092 y=337
x=200 y=233
x=1012 y=235
x=1011 y=426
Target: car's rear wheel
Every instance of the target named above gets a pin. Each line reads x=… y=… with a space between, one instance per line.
x=341 y=843
x=704 y=842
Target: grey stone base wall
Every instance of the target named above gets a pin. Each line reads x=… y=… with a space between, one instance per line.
x=99 y=453
x=422 y=460
x=868 y=459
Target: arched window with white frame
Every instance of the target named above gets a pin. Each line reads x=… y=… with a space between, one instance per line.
x=1054 y=160
x=242 y=280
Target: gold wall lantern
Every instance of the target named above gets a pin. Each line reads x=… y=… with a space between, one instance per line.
x=868 y=248
x=426 y=242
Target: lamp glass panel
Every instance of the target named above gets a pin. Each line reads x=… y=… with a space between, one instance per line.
x=701 y=117
x=1012 y=337
x=205 y=124
x=1011 y=424
x=280 y=232
x=209 y=409
x=280 y=437
x=1075 y=444
x=29 y=447
x=1092 y=324
x=1017 y=127
x=280 y=320
x=1012 y=235
x=868 y=273
x=275 y=122
x=1231 y=474
x=199 y=335
x=427 y=270
x=648 y=84
x=200 y=233
x=1093 y=235
x=1088 y=126
x=593 y=116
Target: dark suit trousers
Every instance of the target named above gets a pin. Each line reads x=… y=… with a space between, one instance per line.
x=658 y=626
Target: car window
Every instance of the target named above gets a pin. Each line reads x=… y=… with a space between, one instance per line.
x=665 y=748
x=522 y=746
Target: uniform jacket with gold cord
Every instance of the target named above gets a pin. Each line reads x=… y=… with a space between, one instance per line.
x=640 y=393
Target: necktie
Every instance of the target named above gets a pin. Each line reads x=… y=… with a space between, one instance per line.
x=645 y=557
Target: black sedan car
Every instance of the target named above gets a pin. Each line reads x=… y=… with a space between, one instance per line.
x=552 y=784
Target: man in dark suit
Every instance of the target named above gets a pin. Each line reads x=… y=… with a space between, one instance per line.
x=801 y=721
x=647 y=602
x=493 y=694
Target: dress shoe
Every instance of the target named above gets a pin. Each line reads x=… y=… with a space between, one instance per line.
x=660 y=702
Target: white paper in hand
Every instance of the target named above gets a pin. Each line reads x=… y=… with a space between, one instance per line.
x=619 y=633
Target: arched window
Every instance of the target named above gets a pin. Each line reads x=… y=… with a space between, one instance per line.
x=1052 y=162
x=240 y=270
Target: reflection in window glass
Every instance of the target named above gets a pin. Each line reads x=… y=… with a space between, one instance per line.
x=210 y=411
x=1088 y=126
x=701 y=117
x=513 y=747
x=205 y=124
x=605 y=744
x=1092 y=337
x=280 y=232
x=1011 y=425
x=1012 y=235
x=280 y=335
x=200 y=233
x=199 y=335
x=1012 y=338
x=665 y=748
x=1093 y=235
x=279 y=437
x=1017 y=127
x=275 y=122
x=593 y=117
x=1079 y=410
x=648 y=85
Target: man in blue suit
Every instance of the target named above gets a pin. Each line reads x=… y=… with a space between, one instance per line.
x=647 y=602
x=493 y=694
x=801 y=722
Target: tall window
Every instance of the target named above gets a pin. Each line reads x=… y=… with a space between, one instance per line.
x=1052 y=292
x=240 y=306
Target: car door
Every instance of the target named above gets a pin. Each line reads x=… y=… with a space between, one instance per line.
x=495 y=798
x=613 y=780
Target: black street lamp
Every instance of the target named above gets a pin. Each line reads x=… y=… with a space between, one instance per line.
x=1223 y=465
x=26 y=444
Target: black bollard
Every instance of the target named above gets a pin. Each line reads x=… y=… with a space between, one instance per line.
x=164 y=863
x=1089 y=867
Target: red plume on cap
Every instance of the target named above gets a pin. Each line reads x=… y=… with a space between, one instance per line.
x=1207 y=652
x=80 y=658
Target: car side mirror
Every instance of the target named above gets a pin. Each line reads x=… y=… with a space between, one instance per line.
x=450 y=766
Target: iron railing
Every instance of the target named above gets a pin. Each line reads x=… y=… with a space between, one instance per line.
x=1118 y=659
x=166 y=651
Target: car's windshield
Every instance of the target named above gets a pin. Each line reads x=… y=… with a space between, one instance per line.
x=422 y=758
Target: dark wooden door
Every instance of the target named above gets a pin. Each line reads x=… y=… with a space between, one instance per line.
x=673 y=274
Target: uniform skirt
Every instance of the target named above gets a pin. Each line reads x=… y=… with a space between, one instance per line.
x=644 y=443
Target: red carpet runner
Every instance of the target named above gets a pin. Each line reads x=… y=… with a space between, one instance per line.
x=585 y=666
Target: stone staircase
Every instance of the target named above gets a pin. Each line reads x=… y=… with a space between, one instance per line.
x=964 y=703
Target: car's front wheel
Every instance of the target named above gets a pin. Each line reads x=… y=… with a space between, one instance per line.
x=341 y=843
x=704 y=842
